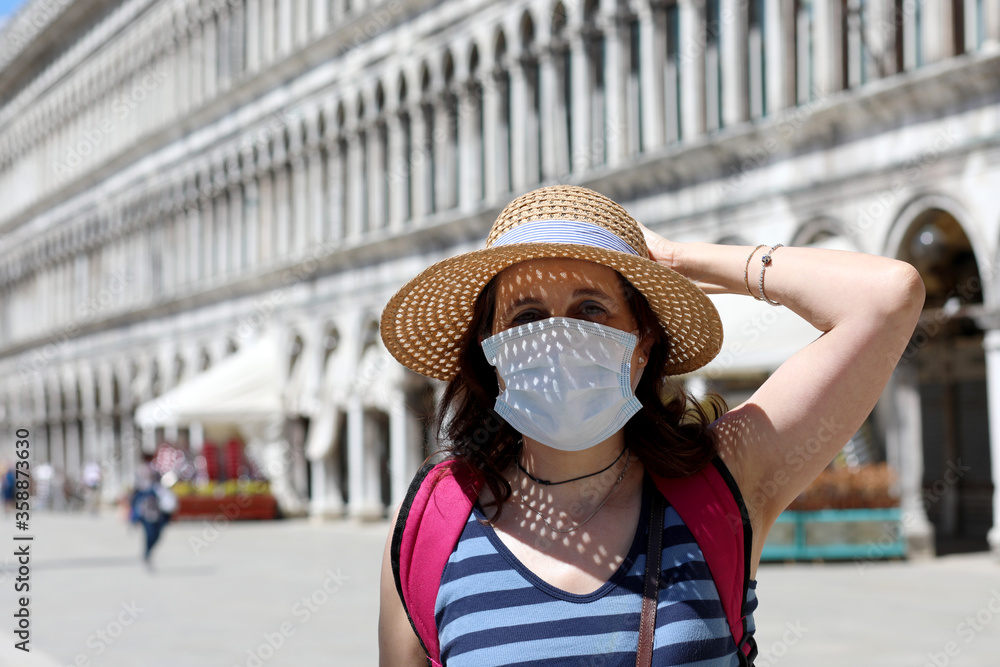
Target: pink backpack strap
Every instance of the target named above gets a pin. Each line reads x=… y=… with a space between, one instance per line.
x=431 y=520
x=711 y=505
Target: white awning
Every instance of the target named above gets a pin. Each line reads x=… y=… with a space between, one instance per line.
x=757 y=337
x=244 y=387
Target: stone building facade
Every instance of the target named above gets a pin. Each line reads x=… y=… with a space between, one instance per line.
x=181 y=176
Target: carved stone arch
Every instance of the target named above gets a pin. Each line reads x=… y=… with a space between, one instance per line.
x=447 y=68
x=909 y=213
x=361 y=107
x=473 y=59
x=817 y=228
x=461 y=51
x=560 y=18
x=528 y=27
x=733 y=238
x=499 y=46
x=340 y=116
x=375 y=98
x=427 y=79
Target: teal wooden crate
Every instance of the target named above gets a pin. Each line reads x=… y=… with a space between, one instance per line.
x=836 y=534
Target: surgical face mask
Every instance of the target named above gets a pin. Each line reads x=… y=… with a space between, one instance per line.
x=567 y=382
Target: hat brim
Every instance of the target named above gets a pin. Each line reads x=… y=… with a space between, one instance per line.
x=425 y=320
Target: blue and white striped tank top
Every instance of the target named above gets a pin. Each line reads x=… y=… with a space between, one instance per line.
x=491 y=610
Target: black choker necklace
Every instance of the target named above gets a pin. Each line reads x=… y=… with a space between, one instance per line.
x=567 y=481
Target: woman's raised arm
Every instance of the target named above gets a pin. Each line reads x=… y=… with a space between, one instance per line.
x=867 y=306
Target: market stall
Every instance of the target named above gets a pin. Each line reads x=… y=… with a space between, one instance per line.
x=236 y=401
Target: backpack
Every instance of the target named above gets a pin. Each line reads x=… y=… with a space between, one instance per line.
x=437 y=505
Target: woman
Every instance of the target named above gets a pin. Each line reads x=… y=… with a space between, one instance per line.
x=565 y=433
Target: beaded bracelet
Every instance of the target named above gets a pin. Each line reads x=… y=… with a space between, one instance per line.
x=765 y=262
x=746 y=270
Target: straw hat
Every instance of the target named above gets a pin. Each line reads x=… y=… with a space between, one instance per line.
x=425 y=319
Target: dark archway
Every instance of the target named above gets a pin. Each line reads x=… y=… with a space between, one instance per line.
x=947 y=348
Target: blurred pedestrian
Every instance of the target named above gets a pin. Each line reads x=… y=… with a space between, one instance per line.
x=92 y=485
x=7 y=484
x=151 y=505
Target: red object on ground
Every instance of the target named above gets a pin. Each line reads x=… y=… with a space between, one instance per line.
x=233 y=508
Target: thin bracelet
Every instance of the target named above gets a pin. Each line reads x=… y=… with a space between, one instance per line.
x=746 y=270
x=765 y=262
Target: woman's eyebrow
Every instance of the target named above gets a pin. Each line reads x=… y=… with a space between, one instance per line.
x=522 y=301
x=590 y=291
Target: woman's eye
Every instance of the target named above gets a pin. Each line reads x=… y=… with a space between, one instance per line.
x=593 y=309
x=525 y=316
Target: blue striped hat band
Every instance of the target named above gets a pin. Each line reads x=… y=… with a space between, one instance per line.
x=577 y=232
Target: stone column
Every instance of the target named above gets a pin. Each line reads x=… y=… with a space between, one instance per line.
x=283 y=26
x=935 y=25
x=419 y=160
x=314 y=168
x=911 y=57
x=444 y=153
x=469 y=158
x=221 y=217
x=251 y=222
x=57 y=454
x=196 y=65
x=615 y=129
x=111 y=480
x=303 y=19
x=211 y=56
x=224 y=47
x=376 y=177
x=282 y=203
x=398 y=170
x=692 y=68
x=320 y=17
x=827 y=51
x=493 y=164
x=334 y=190
x=237 y=233
x=265 y=212
x=652 y=42
x=355 y=458
x=550 y=127
x=299 y=201
x=904 y=448
x=355 y=183
x=733 y=55
x=399 y=459
x=991 y=344
x=267 y=25
x=581 y=90
x=991 y=17
x=518 y=126
x=779 y=55
x=73 y=447
x=253 y=36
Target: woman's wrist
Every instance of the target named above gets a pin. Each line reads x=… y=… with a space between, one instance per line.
x=715 y=268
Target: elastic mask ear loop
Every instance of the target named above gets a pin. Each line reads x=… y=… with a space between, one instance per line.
x=642 y=361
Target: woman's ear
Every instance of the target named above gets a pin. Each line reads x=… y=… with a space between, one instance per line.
x=646 y=345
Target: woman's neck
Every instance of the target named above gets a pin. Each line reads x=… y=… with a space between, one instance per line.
x=554 y=465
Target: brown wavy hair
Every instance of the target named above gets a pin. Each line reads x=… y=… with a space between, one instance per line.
x=670 y=434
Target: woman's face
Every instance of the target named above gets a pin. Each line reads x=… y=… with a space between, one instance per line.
x=538 y=289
